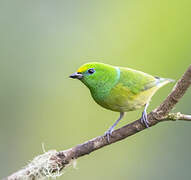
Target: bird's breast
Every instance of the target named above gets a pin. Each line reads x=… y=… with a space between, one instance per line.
x=122 y=99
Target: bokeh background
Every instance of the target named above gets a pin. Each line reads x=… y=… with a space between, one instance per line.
x=43 y=42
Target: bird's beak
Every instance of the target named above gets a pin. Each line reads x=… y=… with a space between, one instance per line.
x=76 y=75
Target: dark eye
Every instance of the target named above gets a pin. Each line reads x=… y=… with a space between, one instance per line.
x=91 y=71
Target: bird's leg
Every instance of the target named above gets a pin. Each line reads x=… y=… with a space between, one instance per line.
x=144 y=119
x=110 y=130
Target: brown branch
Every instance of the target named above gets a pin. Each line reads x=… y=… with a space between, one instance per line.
x=52 y=162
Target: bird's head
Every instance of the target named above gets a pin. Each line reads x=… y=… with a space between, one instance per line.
x=95 y=75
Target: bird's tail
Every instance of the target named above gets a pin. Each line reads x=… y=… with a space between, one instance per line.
x=162 y=81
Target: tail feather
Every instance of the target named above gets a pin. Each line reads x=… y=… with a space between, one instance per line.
x=162 y=81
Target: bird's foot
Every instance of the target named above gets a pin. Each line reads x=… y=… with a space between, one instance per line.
x=144 y=119
x=108 y=133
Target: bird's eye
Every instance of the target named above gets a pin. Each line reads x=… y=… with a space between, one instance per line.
x=91 y=71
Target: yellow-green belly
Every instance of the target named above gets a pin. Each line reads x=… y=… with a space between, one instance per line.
x=121 y=99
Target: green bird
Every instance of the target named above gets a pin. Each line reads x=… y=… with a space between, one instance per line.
x=119 y=89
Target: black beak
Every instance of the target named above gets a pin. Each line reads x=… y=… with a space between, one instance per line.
x=76 y=75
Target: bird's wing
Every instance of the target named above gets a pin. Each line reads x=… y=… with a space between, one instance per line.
x=137 y=81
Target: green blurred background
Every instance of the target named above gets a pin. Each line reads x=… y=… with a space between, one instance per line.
x=43 y=42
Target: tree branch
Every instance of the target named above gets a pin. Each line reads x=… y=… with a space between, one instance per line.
x=52 y=162
x=177 y=116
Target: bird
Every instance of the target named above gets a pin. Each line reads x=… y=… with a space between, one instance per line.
x=119 y=89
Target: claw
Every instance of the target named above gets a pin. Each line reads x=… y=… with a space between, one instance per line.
x=144 y=119
x=108 y=134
